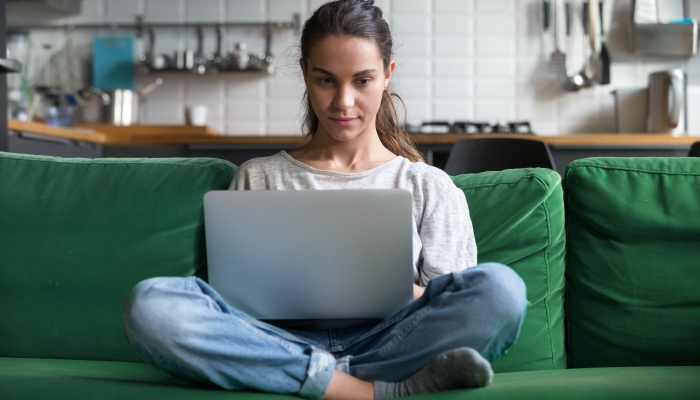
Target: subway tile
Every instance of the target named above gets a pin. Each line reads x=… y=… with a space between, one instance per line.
x=452 y=110
x=452 y=46
x=204 y=88
x=413 y=46
x=245 y=110
x=533 y=109
x=544 y=128
x=283 y=109
x=577 y=106
x=171 y=90
x=579 y=125
x=453 y=25
x=413 y=67
x=457 y=67
x=205 y=11
x=420 y=7
x=413 y=88
x=234 y=128
x=165 y=113
x=284 y=8
x=495 y=6
x=123 y=10
x=165 y=10
x=417 y=109
x=494 y=110
x=410 y=25
x=246 y=10
x=452 y=89
x=495 y=46
x=495 y=67
x=245 y=87
x=495 y=89
x=93 y=11
x=501 y=25
x=289 y=127
x=452 y=7
x=285 y=88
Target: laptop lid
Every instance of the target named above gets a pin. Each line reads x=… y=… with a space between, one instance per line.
x=311 y=254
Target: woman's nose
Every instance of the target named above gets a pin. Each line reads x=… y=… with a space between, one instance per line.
x=344 y=98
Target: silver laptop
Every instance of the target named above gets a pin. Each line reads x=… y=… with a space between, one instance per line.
x=311 y=254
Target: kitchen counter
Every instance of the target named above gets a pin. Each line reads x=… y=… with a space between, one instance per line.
x=184 y=134
x=94 y=141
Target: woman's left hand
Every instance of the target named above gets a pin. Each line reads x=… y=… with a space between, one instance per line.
x=417 y=291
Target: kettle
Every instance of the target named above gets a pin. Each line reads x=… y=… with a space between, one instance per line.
x=666 y=102
x=120 y=106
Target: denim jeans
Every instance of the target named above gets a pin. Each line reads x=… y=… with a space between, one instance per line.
x=182 y=326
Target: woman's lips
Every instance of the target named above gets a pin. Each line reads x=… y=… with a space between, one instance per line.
x=344 y=121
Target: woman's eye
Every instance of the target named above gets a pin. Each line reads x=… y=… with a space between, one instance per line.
x=363 y=82
x=326 y=80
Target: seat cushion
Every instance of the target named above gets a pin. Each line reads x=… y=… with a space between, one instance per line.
x=637 y=383
x=77 y=234
x=27 y=379
x=518 y=218
x=633 y=261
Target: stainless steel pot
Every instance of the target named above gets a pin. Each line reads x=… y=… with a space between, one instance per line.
x=121 y=106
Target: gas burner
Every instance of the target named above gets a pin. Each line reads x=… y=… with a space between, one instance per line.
x=468 y=127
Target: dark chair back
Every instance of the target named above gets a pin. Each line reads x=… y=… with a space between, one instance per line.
x=694 y=150
x=495 y=154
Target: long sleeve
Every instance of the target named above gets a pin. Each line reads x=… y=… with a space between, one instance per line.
x=446 y=232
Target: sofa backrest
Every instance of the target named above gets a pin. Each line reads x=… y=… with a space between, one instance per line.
x=518 y=218
x=633 y=261
x=77 y=234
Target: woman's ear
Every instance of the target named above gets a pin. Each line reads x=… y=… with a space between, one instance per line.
x=389 y=71
x=302 y=64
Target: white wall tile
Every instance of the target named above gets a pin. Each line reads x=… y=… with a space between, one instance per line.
x=452 y=46
x=205 y=11
x=417 y=110
x=453 y=25
x=410 y=25
x=245 y=110
x=495 y=46
x=399 y=7
x=452 y=7
x=494 y=66
x=501 y=25
x=413 y=88
x=458 y=67
x=494 y=110
x=540 y=110
x=413 y=46
x=204 y=88
x=246 y=10
x=245 y=87
x=286 y=127
x=495 y=6
x=452 y=110
x=284 y=8
x=495 y=89
x=165 y=113
x=413 y=67
x=123 y=10
x=283 y=109
x=452 y=89
x=165 y=10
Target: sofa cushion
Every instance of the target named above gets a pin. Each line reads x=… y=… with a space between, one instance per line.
x=77 y=234
x=29 y=379
x=633 y=261
x=518 y=218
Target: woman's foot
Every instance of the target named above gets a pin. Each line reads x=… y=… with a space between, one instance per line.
x=461 y=368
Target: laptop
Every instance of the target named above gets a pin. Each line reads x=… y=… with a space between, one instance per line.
x=311 y=254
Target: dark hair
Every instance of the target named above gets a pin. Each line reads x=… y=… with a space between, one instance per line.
x=359 y=18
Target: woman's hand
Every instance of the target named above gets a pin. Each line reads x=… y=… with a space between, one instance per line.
x=417 y=291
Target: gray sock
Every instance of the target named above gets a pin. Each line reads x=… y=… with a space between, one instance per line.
x=460 y=368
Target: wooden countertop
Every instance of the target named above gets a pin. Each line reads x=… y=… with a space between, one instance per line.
x=165 y=134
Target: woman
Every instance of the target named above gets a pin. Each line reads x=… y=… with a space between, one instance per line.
x=467 y=314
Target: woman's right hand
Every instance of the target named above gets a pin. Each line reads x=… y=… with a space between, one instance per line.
x=417 y=291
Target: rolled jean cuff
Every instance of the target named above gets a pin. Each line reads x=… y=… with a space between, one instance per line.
x=318 y=375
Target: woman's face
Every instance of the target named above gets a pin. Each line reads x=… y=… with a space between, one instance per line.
x=345 y=78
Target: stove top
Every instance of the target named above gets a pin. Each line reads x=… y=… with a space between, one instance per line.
x=469 y=127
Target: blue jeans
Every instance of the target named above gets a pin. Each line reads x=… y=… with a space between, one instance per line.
x=182 y=326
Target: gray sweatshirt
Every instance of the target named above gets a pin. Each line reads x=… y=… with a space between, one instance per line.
x=443 y=237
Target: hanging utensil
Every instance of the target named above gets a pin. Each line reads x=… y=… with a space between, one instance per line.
x=557 y=63
x=584 y=78
x=604 y=78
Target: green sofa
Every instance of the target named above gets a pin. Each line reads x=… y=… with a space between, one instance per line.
x=611 y=260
